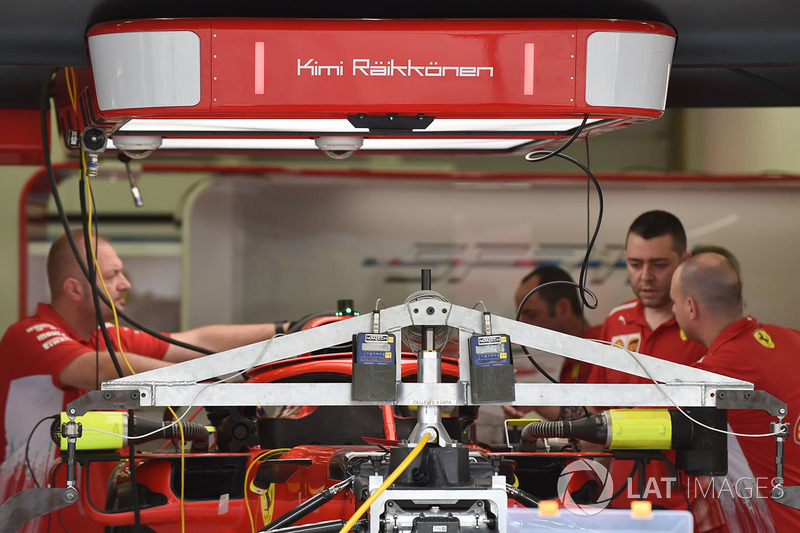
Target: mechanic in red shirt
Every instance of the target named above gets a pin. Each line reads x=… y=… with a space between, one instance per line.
x=51 y=358
x=654 y=247
x=707 y=292
x=557 y=307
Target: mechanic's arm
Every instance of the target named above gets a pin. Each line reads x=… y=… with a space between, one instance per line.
x=220 y=337
x=86 y=370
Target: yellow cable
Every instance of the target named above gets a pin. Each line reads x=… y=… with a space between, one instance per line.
x=183 y=470
x=100 y=275
x=72 y=87
x=90 y=203
x=389 y=480
x=265 y=455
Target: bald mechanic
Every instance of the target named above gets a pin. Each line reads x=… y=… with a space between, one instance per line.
x=707 y=295
x=53 y=357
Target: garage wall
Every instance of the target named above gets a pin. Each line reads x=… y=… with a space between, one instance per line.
x=740 y=141
x=292 y=247
x=281 y=248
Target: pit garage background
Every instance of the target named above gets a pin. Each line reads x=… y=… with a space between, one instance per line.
x=220 y=244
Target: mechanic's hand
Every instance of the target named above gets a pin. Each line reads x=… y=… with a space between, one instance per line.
x=512 y=412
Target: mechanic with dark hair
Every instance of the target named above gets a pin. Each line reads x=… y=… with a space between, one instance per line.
x=707 y=292
x=655 y=246
x=555 y=306
x=54 y=356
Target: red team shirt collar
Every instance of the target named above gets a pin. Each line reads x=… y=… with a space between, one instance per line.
x=46 y=312
x=733 y=331
x=636 y=315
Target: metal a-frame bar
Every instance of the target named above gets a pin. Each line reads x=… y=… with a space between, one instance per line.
x=192 y=382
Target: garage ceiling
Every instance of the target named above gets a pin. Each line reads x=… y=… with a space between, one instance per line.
x=729 y=53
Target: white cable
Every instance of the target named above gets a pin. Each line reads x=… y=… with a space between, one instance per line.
x=196 y=396
x=634 y=355
x=481 y=302
x=664 y=392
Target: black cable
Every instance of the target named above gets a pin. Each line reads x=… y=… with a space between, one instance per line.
x=588 y=157
x=137 y=519
x=539 y=287
x=585 y=263
x=61 y=521
x=678 y=480
x=630 y=477
x=619 y=490
x=684 y=488
x=328 y=526
x=87 y=490
x=97 y=366
x=588 y=240
x=97 y=344
x=44 y=113
x=53 y=484
x=45 y=109
x=547 y=154
x=525 y=498
x=308 y=506
x=582 y=289
x=522 y=306
x=28 y=447
x=91 y=275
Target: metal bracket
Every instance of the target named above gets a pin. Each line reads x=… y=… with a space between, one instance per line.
x=103 y=399
x=29 y=504
x=751 y=399
x=789 y=496
x=182 y=383
x=390 y=122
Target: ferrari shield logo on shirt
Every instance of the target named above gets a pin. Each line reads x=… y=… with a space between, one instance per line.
x=763 y=338
x=797 y=430
x=629 y=342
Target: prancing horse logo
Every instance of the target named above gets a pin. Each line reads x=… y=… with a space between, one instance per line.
x=763 y=338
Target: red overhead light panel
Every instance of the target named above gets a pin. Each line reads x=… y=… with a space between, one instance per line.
x=396 y=85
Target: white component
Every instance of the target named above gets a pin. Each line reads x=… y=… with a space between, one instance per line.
x=628 y=69
x=146 y=69
x=339 y=147
x=137 y=146
x=387 y=514
x=336 y=125
x=371 y=143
